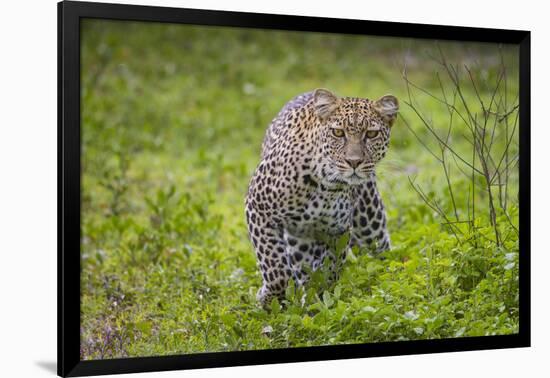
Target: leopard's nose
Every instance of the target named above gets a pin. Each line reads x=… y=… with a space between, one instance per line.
x=354 y=162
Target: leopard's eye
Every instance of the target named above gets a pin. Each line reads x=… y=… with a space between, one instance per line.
x=372 y=134
x=338 y=133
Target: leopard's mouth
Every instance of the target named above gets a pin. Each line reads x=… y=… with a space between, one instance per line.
x=356 y=177
x=347 y=176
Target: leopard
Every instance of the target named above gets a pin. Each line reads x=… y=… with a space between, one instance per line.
x=315 y=182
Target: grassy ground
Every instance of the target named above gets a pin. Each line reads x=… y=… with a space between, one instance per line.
x=172 y=122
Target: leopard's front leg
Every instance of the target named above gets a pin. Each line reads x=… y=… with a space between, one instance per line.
x=311 y=253
x=270 y=248
x=369 y=223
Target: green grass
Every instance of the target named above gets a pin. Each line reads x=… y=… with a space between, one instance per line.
x=172 y=122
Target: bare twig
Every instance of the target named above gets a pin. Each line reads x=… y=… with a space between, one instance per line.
x=487 y=119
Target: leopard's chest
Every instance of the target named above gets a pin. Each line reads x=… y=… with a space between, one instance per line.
x=321 y=212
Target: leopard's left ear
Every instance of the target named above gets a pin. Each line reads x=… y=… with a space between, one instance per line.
x=387 y=106
x=325 y=102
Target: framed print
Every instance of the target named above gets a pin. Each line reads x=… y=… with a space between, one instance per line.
x=239 y=188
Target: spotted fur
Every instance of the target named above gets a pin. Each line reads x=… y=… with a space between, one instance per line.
x=316 y=181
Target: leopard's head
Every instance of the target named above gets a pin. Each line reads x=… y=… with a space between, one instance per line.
x=353 y=134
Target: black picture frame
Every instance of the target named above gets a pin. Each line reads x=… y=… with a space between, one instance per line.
x=69 y=187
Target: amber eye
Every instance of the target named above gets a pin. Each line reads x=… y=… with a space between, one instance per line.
x=372 y=134
x=338 y=133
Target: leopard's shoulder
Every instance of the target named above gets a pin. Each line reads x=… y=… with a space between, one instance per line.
x=293 y=113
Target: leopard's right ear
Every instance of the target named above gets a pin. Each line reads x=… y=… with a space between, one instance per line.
x=325 y=103
x=388 y=107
